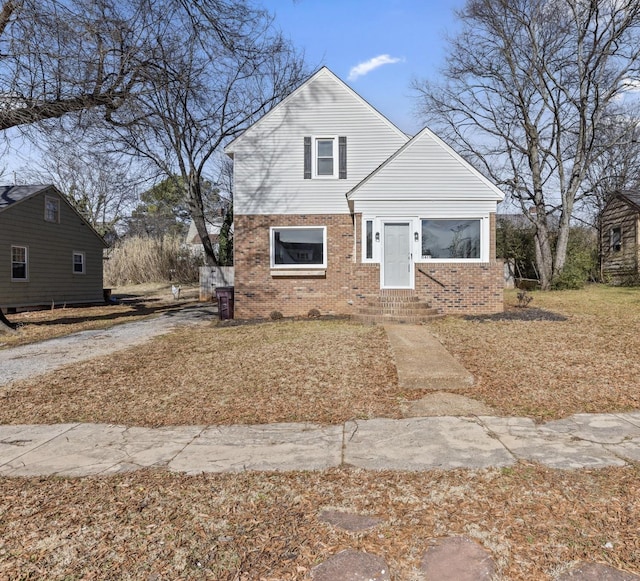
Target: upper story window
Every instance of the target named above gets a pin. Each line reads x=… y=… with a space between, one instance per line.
x=78 y=262
x=451 y=239
x=52 y=209
x=325 y=157
x=616 y=239
x=19 y=263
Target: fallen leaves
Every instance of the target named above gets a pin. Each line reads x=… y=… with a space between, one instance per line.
x=533 y=520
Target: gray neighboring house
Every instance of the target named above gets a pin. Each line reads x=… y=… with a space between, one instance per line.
x=49 y=254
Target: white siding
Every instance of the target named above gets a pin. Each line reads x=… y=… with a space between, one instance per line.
x=426 y=169
x=269 y=157
x=426 y=208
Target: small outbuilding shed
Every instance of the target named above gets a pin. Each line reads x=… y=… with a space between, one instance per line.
x=620 y=238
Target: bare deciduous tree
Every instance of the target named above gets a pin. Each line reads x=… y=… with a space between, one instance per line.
x=65 y=57
x=102 y=187
x=208 y=88
x=190 y=74
x=527 y=87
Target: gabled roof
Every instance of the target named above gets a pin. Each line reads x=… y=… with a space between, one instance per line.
x=12 y=195
x=630 y=197
x=322 y=72
x=426 y=133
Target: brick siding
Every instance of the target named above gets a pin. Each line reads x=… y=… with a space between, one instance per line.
x=470 y=288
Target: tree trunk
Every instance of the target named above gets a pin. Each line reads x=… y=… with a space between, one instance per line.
x=561 y=246
x=4 y=322
x=196 y=208
x=544 y=257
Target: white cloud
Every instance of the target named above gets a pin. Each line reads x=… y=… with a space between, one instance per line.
x=366 y=67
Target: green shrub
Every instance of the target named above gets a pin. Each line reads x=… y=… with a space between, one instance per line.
x=582 y=261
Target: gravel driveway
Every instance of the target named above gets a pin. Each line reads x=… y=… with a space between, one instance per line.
x=37 y=358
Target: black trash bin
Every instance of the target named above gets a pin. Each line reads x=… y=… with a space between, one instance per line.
x=224 y=296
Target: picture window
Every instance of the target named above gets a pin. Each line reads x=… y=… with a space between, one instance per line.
x=298 y=247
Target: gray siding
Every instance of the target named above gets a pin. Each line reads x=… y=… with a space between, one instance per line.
x=50 y=261
x=620 y=266
x=269 y=157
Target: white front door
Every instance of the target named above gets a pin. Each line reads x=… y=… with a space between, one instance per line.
x=397 y=266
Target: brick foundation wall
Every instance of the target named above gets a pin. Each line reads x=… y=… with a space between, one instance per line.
x=469 y=288
x=257 y=293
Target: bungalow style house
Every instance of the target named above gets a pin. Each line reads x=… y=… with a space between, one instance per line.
x=336 y=209
x=620 y=242
x=49 y=253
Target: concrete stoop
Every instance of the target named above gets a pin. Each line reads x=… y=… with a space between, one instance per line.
x=396 y=307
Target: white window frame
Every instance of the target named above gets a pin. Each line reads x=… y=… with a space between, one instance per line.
x=26 y=263
x=84 y=262
x=484 y=240
x=374 y=253
x=272 y=254
x=314 y=157
x=56 y=201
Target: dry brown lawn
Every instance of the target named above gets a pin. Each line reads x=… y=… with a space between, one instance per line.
x=156 y=525
x=316 y=371
x=550 y=369
x=586 y=359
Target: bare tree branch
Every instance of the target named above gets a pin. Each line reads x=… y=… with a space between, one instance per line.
x=527 y=88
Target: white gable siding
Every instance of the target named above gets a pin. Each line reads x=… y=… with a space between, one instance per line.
x=427 y=169
x=437 y=208
x=269 y=157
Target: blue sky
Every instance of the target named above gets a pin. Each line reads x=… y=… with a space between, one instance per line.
x=393 y=41
x=377 y=46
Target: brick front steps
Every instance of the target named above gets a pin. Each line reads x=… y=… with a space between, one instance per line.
x=396 y=306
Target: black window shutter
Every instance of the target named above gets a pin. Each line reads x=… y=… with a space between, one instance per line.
x=342 y=157
x=307 y=158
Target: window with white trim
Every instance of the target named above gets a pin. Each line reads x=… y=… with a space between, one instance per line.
x=19 y=263
x=325 y=157
x=298 y=247
x=52 y=209
x=451 y=239
x=78 y=262
x=367 y=238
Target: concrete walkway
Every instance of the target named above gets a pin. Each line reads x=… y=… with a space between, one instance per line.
x=582 y=441
x=413 y=443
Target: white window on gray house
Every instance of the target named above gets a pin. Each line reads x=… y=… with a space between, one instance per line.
x=325 y=157
x=451 y=239
x=78 y=262
x=616 y=239
x=299 y=247
x=52 y=209
x=19 y=263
